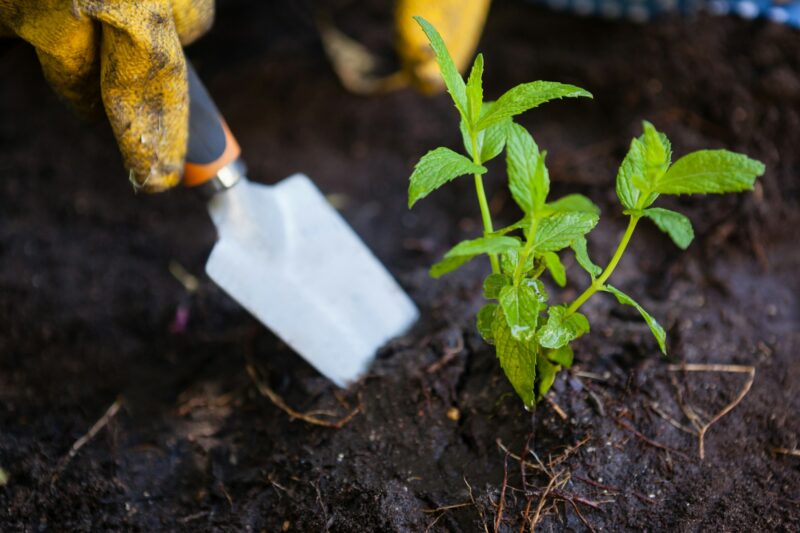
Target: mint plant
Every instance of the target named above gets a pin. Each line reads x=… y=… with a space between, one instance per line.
x=532 y=337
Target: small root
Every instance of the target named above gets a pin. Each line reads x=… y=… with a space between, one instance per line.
x=554 y=461
x=480 y=511
x=308 y=418
x=430 y=526
x=191 y=517
x=558 y=459
x=499 y=519
x=593 y=483
x=448 y=355
x=543 y=499
x=322 y=506
x=442 y=511
x=516 y=457
x=580 y=515
x=641 y=497
x=447 y=507
x=614 y=490
x=624 y=425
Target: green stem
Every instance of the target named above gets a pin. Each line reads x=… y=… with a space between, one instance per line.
x=600 y=281
x=530 y=244
x=486 y=215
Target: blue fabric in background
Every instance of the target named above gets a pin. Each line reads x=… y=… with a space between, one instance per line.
x=782 y=11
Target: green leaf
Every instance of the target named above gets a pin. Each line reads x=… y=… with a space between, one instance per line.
x=562 y=356
x=527 y=96
x=528 y=178
x=560 y=230
x=658 y=146
x=485 y=321
x=674 y=224
x=436 y=168
x=579 y=246
x=509 y=260
x=573 y=202
x=521 y=305
x=493 y=283
x=556 y=268
x=475 y=89
x=561 y=329
x=546 y=374
x=464 y=251
x=490 y=141
x=517 y=359
x=449 y=264
x=655 y=327
x=520 y=224
x=710 y=171
x=647 y=159
x=452 y=79
x=484 y=245
x=657 y=152
x=631 y=166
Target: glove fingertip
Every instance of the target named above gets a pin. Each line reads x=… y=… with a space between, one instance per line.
x=155 y=182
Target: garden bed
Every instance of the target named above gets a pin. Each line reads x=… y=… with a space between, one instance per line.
x=88 y=303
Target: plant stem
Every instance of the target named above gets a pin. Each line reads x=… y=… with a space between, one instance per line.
x=600 y=281
x=486 y=216
x=530 y=244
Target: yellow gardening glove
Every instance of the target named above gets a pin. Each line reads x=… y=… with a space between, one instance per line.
x=127 y=54
x=460 y=22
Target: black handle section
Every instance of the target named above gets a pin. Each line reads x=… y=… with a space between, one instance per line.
x=207 y=139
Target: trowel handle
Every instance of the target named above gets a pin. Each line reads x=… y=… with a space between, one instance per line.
x=211 y=147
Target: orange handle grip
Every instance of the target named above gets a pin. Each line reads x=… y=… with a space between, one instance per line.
x=211 y=143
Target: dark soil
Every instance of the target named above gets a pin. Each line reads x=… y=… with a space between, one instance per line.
x=87 y=301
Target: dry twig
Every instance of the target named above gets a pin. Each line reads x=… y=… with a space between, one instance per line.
x=81 y=442
x=657 y=410
x=740 y=369
x=787 y=451
x=557 y=408
x=309 y=418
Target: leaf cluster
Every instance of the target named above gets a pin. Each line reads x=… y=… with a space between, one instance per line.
x=531 y=336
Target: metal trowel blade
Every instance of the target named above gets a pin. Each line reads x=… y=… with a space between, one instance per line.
x=291 y=260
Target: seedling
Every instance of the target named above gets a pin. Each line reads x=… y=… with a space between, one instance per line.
x=532 y=338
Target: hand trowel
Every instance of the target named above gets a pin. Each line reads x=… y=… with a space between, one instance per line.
x=287 y=256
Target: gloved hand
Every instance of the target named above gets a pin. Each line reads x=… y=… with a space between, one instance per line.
x=460 y=22
x=127 y=53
